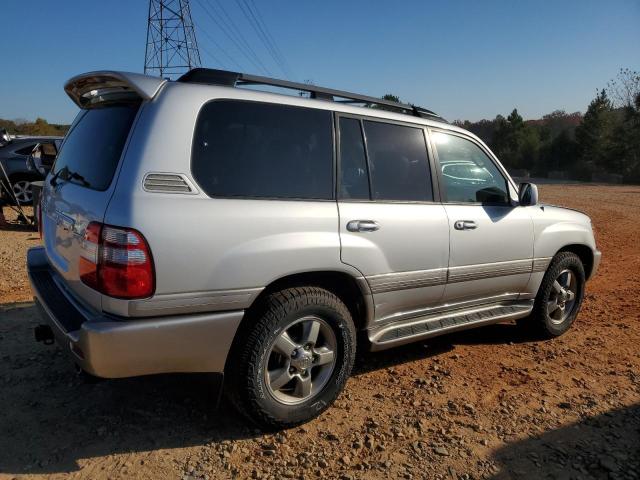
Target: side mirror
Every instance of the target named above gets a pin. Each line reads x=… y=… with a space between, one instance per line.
x=528 y=194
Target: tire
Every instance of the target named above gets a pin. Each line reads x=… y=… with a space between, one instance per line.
x=550 y=321
x=21 y=187
x=257 y=365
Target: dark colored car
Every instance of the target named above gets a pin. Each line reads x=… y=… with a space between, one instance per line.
x=20 y=168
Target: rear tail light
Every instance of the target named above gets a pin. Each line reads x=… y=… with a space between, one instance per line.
x=116 y=261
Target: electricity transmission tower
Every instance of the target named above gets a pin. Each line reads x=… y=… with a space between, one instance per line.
x=171 y=39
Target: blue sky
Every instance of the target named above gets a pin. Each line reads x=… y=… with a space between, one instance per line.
x=463 y=59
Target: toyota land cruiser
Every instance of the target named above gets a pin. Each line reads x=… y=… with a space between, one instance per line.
x=201 y=226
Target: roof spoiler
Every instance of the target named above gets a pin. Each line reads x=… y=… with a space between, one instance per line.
x=93 y=89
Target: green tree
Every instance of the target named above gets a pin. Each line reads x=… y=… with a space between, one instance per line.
x=391 y=97
x=625 y=148
x=594 y=136
x=515 y=142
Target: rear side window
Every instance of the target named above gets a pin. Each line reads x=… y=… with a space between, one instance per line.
x=354 y=179
x=92 y=149
x=398 y=161
x=259 y=150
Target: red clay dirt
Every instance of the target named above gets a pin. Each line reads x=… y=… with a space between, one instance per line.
x=487 y=403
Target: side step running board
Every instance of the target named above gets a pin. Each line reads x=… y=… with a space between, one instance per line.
x=392 y=335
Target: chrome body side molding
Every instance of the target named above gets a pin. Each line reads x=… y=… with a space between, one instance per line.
x=488 y=270
x=541 y=264
x=439 y=276
x=404 y=280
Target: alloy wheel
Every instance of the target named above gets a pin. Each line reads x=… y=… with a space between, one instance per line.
x=22 y=191
x=562 y=297
x=301 y=360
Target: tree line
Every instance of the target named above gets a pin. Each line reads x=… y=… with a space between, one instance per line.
x=38 y=128
x=603 y=141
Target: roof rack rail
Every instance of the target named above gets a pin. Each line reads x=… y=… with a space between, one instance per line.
x=212 y=76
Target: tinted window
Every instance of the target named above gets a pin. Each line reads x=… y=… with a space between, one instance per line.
x=248 y=149
x=398 y=162
x=354 y=179
x=92 y=149
x=468 y=173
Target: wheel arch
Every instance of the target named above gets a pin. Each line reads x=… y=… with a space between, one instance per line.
x=584 y=253
x=353 y=291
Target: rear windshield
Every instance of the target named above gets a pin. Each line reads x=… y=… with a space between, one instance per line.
x=92 y=149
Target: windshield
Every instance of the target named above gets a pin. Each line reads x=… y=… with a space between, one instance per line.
x=92 y=148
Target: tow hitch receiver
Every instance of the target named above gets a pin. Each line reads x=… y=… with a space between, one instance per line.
x=44 y=334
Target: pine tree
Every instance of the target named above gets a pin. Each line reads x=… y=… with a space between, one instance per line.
x=594 y=136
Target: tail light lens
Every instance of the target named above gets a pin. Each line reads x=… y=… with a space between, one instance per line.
x=116 y=261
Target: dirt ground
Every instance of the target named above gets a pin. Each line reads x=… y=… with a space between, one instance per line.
x=486 y=403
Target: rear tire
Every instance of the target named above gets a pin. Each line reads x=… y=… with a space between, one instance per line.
x=292 y=357
x=559 y=297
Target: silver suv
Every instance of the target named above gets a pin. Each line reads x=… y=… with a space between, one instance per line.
x=199 y=226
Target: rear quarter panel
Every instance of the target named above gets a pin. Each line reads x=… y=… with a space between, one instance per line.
x=210 y=253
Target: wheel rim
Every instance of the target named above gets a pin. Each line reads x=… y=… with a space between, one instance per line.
x=562 y=298
x=22 y=191
x=301 y=360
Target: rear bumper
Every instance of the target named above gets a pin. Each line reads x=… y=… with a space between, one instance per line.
x=113 y=347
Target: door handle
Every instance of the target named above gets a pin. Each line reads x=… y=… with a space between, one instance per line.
x=465 y=225
x=362 y=226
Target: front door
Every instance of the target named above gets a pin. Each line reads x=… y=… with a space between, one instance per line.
x=391 y=229
x=491 y=238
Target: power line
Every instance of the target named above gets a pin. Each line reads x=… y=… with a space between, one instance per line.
x=230 y=35
x=261 y=36
x=225 y=30
x=215 y=59
x=265 y=29
x=239 y=35
x=220 y=49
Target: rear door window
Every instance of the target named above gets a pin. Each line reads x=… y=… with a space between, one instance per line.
x=260 y=150
x=91 y=151
x=354 y=179
x=398 y=162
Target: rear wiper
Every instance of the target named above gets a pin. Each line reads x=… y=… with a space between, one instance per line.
x=66 y=174
x=54 y=179
x=80 y=178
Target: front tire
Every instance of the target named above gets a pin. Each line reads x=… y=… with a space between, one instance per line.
x=560 y=296
x=292 y=357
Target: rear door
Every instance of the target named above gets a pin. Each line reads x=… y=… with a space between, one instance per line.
x=80 y=185
x=491 y=238
x=391 y=229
